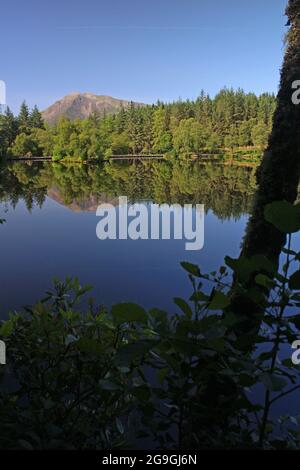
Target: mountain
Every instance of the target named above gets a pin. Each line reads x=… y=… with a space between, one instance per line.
x=83 y=105
x=89 y=204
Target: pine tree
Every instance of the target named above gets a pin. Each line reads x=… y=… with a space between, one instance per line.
x=36 y=119
x=8 y=131
x=24 y=118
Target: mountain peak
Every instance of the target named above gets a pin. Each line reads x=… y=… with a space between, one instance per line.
x=78 y=105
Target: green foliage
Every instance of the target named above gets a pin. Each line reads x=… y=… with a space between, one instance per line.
x=191 y=137
x=24 y=118
x=20 y=136
x=102 y=379
x=25 y=145
x=227 y=190
x=8 y=131
x=260 y=134
x=284 y=216
x=70 y=393
x=231 y=120
x=36 y=119
x=128 y=313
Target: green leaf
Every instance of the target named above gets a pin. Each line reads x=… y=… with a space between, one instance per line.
x=89 y=346
x=287 y=362
x=199 y=297
x=244 y=267
x=184 y=306
x=273 y=382
x=262 y=263
x=127 y=313
x=162 y=374
x=256 y=295
x=246 y=380
x=133 y=351
x=264 y=281
x=284 y=216
x=265 y=356
x=230 y=319
x=120 y=426
x=6 y=328
x=191 y=268
x=108 y=385
x=142 y=393
x=217 y=344
x=294 y=282
x=219 y=301
x=84 y=290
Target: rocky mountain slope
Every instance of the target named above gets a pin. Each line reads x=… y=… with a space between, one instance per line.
x=83 y=105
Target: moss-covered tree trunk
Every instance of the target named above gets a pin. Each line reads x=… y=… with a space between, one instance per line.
x=278 y=175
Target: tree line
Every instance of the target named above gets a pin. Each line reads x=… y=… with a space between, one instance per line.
x=225 y=190
x=230 y=120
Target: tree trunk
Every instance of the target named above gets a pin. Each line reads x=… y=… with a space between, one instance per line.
x=278 y=175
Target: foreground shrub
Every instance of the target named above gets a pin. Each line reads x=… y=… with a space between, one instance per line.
x=101 y=380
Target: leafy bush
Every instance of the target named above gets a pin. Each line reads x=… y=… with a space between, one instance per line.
x=103 y=379
x=62 y=388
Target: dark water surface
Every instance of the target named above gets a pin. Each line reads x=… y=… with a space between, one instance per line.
x=50 y=231
x=50 y=228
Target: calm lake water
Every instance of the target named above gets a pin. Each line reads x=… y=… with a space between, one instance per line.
x=50 y=228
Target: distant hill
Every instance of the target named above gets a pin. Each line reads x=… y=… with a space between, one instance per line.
x=83 y=105
x=88 y=204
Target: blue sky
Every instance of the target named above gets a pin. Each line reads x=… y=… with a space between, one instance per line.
x=140 y=50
